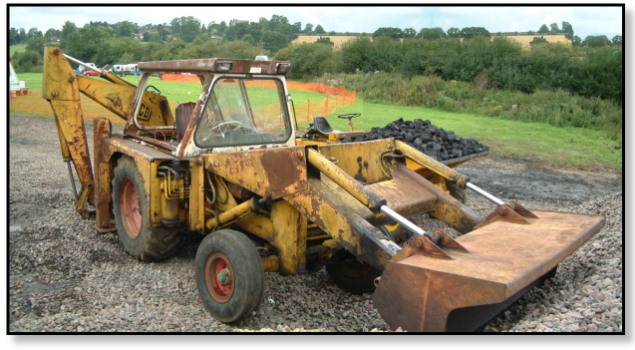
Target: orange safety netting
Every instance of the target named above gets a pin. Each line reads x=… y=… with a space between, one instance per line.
x=336 y=97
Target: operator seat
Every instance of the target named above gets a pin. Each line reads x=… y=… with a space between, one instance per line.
x=183 y=116
x=321 y=125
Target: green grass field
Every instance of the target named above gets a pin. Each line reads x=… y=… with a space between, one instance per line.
x=541 y=143
x=16 y=48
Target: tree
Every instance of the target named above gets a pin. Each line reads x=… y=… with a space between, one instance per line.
x=190 y=29
x=186 y=28
x=543 y=29
x=124 y=29
x=538 y=40
x=51 y=34
x=454 y=32
x=352 y=55
x=86 y=42
x=554 y=28
x=575 y=41
x=36 y=44
x=22 y=36
x=383 y=55
x=596 y=41
x=393 y=33
x=409 y=33
x=297 y=27
x=274 y=41
x=617 y=40
x=325 y=40
x=308 y=28
x=222 y=27
x=34 y=33
x=13 y=36
x=332 y=32
x=307 y=60
x=248 y=38
x=471 y=32
x=567 y=29
x=431 y=33
x=67 y=29
x=162 y=32
x=319 y=29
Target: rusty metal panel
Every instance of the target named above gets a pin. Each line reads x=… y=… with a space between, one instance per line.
x=403 y=193
x=59 y=82
x=113 y=97
x=272 y=172
x=69 y=118
x=342 y=217
x=503 y=258
x=197 y=203
x=102 y=129
x=361 y=160
x=290 y=228
x=133 y=148
x=147 y=159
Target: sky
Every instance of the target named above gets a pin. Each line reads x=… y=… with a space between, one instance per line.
x=586 y=20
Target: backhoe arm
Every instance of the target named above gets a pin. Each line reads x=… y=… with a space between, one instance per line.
x=60 y=88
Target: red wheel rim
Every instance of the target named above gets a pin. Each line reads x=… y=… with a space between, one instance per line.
x=130 y=208
x=219 y=277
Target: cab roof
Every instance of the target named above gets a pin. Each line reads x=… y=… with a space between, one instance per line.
x=217 y=65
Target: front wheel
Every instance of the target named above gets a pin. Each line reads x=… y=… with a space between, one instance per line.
x=229 y=275
x=354 y=276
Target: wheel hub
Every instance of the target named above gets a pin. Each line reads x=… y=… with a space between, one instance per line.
x=130 y=208
x=219 y=277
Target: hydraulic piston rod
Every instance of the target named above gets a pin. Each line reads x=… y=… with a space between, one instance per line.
x=484 y=193
x=446 y=172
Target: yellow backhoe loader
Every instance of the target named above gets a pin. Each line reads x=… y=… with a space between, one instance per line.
x=228 y=166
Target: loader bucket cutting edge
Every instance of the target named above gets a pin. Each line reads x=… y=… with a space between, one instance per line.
x=504 y=260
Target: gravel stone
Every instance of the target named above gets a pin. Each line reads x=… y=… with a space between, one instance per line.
x=66 y=277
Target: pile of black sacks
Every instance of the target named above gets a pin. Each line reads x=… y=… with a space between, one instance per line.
x=427 y=138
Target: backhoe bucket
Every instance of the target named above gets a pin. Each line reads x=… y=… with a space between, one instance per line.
x=503 y=261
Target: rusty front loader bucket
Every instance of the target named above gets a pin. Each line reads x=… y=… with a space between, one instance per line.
x=461 y=293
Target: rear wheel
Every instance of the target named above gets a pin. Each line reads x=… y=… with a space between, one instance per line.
x=229 y=275
x=131 y=206
x=354 y=276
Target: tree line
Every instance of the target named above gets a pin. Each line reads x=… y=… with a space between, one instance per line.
x=471 y=54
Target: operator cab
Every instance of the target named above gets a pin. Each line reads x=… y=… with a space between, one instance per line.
x=242 y=104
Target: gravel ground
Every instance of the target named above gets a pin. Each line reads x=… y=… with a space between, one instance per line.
x=66 y=277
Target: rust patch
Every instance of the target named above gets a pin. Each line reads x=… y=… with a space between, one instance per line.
x=281 y=171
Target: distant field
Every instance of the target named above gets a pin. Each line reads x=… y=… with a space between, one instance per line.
x=338 y=40
x=16 y=48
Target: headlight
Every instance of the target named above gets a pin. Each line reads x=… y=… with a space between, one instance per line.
x=283 y=68
x=223 y=66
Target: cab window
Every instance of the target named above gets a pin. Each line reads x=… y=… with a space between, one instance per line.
x=242 y=111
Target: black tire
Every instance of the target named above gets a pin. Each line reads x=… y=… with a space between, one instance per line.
x=354 y=276
x=139 y=237
x=241 y=293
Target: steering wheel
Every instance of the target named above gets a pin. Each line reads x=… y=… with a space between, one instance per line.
x=231 y=125
x=349 y=116
x=155 y=88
